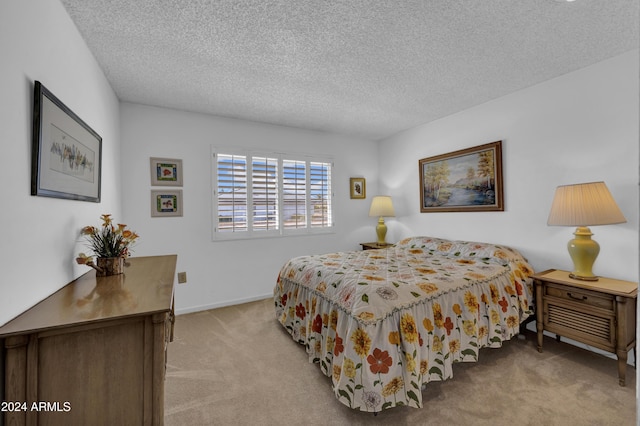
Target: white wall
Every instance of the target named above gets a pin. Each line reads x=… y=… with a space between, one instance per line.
x=580 y=127
x=38 y=41
x=227 y=272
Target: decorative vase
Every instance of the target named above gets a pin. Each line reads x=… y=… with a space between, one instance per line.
x=109 y=266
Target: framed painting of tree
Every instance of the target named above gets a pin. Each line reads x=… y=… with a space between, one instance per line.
x=469 y=180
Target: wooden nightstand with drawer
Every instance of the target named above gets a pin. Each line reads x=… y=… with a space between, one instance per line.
x=375 y=246
x=599 y=313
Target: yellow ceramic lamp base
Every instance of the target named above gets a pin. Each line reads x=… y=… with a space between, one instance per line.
x=583 y=251
x=381 y=230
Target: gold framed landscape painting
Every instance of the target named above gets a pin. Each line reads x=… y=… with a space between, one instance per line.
x=467 y=180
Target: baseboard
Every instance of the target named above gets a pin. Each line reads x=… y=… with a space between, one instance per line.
x=200 y=308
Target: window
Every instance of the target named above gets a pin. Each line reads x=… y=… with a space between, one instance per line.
x=232 y=192
x=294 y=194
x=320 y=194
x=264 y=199
x=259 y=194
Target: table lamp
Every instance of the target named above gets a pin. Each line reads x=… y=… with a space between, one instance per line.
x=381 y=206
x=583 y=205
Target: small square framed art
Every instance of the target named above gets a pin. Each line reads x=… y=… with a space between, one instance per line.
x=166 y=203
x=166 y=171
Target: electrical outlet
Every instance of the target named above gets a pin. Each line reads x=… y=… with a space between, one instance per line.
x=182 y=277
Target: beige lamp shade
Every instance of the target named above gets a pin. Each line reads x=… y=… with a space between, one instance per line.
x=381 y=206
x=584 y=204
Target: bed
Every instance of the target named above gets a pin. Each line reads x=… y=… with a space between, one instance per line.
x=383 y=323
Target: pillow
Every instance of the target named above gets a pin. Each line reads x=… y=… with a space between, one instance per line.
x=461 y=248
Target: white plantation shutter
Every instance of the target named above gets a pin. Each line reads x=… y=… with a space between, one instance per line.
x=320 y=194
x=259 y=195
x=294 y=188
x=232 y=193
x=264 y=182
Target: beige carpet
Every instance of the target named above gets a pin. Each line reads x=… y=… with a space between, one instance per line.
x=237 y=366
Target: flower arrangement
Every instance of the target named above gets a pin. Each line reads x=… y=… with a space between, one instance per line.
x=108 y=241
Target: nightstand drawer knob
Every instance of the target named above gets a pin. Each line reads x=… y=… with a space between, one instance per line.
x=577 y=297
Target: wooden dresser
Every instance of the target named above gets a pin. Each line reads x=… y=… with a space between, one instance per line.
x=94 y=352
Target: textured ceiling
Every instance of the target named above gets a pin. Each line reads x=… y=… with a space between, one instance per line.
x=357 y=67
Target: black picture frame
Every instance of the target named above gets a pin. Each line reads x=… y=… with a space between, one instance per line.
x=66 y=152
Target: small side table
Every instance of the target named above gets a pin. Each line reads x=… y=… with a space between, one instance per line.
x=375 y=246
x=599 y=313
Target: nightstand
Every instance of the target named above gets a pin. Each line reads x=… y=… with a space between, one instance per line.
x=375 y=246
x=599 y=313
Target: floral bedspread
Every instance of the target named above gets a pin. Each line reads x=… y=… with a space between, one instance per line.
x=383 y=323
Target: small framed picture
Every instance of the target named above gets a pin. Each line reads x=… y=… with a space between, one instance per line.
x=166 y=203
x=166 y=172
x=358 y=187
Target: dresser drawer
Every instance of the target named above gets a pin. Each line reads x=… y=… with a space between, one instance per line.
x=580 y=322
x=586 y=297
